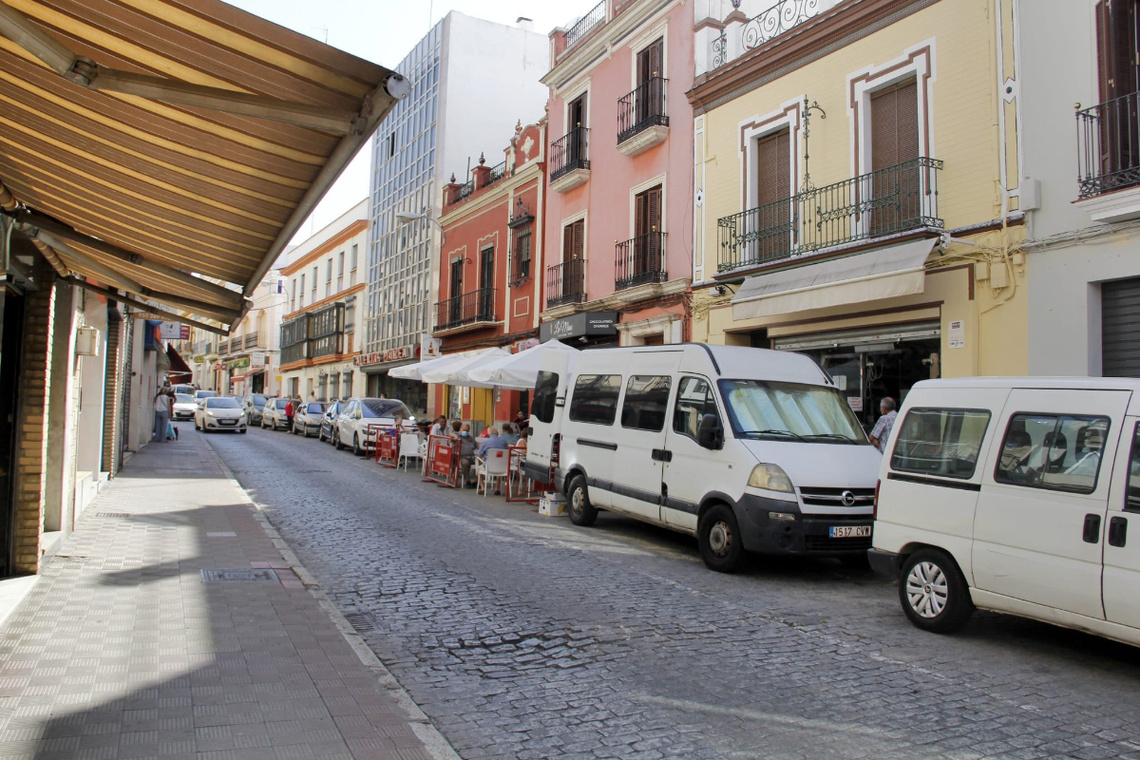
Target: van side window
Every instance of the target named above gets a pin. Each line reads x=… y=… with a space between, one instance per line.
x=941 y=442
x=694 y=399
x=646 y=397
x=595 y=399
x=545 y=393
x=1053 y=451
x=1132 y=503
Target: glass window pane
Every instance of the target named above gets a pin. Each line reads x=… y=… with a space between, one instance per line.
x=940 y=442
x=646 y=397
x=595 y=399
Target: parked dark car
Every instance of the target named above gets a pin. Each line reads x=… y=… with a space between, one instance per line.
x=254 y=403
x=328 y=422
x=307 y=418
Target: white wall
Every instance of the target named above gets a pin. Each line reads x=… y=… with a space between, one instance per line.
x=489 y=81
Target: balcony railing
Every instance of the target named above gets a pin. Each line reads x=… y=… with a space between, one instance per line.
x=570 y=152
x=640 y=260
x=1108 y=146
x=497 y=172
x=251 y=340
x=883 y=202
x=596 y=15
x=467 y=188
x=469 y=308
x=643 y=108
x=566 y=283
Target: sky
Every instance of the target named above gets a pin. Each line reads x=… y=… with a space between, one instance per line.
x=384 y=31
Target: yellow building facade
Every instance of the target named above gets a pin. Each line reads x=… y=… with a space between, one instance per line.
x=855 y=194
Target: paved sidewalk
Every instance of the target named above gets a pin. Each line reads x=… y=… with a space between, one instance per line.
x=174 y=623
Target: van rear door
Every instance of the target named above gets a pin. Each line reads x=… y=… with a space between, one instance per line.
x=547 y=411
x=1121 y=550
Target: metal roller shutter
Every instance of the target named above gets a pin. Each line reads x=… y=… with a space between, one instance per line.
x=1120 y=328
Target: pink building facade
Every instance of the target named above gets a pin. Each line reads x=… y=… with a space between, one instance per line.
x=618 y=232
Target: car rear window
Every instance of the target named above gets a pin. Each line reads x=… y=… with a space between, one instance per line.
x=383 y=407
x=316 y=408
x=943 y=442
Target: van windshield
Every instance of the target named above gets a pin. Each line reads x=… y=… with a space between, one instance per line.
x=790 y=411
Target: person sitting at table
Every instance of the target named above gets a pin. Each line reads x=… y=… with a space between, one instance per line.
x=440 y=426
x=456 y=427
x=521 y=442
x=509 y=434
x=466 y=455
x=492 y=441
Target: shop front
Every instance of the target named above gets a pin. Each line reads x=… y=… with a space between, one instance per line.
x=379 y=384
x=586 y=328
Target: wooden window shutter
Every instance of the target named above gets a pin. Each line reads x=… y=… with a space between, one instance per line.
x=894 y=125
x=773 y=175
x=657 y=59
x=579 y=239
x=653 y=202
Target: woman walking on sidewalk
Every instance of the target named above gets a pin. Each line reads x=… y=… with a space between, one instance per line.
x=162 y=407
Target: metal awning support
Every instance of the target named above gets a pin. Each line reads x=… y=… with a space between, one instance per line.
x=86 y=73
x=115 y=295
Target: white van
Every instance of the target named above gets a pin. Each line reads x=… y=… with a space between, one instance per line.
x=1014 y=495
x=745 y=448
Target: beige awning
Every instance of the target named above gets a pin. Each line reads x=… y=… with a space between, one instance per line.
x=148 y=144
x=889 y=272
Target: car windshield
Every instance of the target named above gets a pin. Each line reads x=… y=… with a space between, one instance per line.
x=315 y=407
x=183 y=398
x=790 y=411
x=258 y=400
x=222 y=402
x=206 y=394
x=383 y=407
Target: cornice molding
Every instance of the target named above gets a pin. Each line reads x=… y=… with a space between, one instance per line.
x=846 y=23
x=349 y=232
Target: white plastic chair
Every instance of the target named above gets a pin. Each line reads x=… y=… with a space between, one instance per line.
x=409 y=449
x=494 y=469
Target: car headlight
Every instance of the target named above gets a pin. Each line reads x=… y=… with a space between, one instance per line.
x=209 y=413
x=770 y=477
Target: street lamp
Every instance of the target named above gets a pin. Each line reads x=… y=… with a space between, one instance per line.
x=406 y=217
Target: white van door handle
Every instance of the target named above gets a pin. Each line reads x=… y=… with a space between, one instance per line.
x=1092 y=529
x=662 y=455
x=1117 y=531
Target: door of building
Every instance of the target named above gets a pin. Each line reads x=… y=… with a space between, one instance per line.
x=487 y=284
x=647 y=248
x=1120 y=328
x=11 y=342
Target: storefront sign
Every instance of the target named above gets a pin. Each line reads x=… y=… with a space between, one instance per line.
x=219 y=367
x=957 y=338
x=362 y=360
x=257 y=359
x=174 y=331
x=391 y=355
x=395 y=354
x=241 y=363
x=586 y=323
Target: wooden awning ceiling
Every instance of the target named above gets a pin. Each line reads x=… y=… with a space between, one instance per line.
x=148 y=145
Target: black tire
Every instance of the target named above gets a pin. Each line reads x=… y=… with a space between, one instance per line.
x=356 y=446
x=933 y=593
x=578 y=503
x=718 y=537
x=320 y=435
x=337 y=442
x=242 y=432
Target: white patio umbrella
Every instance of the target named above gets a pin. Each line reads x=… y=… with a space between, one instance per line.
x=450 y=373
x=415 y=371
x=517 y=371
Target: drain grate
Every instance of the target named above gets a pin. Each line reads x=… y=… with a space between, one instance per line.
x=361 y=622
x=112 y=514
x=238 y=575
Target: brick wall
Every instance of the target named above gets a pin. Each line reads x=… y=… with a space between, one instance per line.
x=31 y=456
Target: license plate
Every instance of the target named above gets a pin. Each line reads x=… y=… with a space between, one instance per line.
x=227 y=422
x=849 y=531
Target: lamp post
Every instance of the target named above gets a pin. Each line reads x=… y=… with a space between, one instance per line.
x=406 y=217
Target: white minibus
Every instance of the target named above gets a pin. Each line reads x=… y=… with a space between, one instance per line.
x=747 y=449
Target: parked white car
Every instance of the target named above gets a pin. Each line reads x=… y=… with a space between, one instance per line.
x=273 y=414
x=362 y=413
x=184 y=406
x=307 y=418
x=220 y=413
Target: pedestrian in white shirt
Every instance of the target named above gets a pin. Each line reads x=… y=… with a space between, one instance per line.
x=162 y=408
x=882 y=430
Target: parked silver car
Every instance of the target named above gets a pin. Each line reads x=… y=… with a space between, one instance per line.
x=307 y=418
x=360 y=414
x=273 y=414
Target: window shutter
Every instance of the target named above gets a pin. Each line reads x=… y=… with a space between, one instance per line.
x=657 y=59
x=579 y=239
x=653 y=209
x=772 y=165
x=894 y=125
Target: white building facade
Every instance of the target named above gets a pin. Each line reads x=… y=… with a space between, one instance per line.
x=472 y=81
x=1081 y=183
x=321 y=286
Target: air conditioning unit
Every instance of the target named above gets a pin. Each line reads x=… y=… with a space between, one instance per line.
x=87 y=341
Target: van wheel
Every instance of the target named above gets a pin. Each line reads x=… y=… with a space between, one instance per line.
x=933 y=592
x=719 y=540
x=579 y=508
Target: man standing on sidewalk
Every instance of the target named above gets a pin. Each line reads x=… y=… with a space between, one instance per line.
x=882 y=430
x=162 y=408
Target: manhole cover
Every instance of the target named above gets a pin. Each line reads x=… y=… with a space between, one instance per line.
x=238 y=575
x=361 y=622
x=112 y=514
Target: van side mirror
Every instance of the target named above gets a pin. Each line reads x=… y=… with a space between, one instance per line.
x=710 y=434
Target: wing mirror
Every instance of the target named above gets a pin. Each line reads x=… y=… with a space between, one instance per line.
x=710 y=434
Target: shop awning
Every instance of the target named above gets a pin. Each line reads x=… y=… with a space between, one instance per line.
x=889 y=272
x=438 y=364
x=151 y=144
x=177 y=365
x=452 y=373
x=515 y=371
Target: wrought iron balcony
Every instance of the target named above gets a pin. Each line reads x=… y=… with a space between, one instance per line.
x=472 y=308
x=566 y=283
x=883 y=202
x=1108 y=146
x=251 y=340
x=643 y=108
x=596 y=15
x=570 y=152
x=640 y=260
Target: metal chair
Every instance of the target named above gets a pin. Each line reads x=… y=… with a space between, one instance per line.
x=493 y=469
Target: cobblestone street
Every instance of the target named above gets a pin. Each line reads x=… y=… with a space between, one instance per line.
x=523 y=636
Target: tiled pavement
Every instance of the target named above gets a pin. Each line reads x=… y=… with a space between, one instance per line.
x=174 y=623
